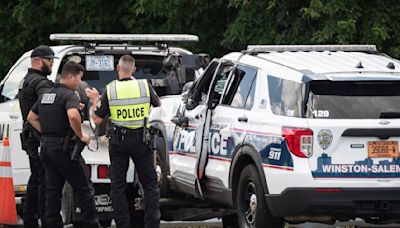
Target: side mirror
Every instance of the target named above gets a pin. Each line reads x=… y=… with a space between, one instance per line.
x=181 y=121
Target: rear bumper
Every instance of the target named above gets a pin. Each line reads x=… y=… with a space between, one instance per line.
x=338 y=202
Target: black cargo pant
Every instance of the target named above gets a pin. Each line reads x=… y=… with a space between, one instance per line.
x=129 y=145
x=60 y=168
x=35 y=193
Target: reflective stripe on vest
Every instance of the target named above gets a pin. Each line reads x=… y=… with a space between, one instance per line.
x=129 y=103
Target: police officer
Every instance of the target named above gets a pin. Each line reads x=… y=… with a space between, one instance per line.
x=127 y=101
x=54 y=115
x=34 y=84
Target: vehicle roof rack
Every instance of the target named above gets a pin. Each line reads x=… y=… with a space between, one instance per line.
x=122 y=37
x=294 y=48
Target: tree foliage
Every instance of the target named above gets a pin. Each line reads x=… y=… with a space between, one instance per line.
x=222 y=26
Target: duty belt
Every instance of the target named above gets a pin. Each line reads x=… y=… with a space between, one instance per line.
x=125 y=130
x=53 y=139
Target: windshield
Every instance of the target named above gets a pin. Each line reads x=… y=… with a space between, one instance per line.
x=10 y=86
x=353 y=99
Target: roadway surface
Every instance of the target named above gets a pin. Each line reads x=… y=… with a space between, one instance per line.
x=216 y=223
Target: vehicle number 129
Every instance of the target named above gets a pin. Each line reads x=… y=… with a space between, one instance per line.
x=320 y=113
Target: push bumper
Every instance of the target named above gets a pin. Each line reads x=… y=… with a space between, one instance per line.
x=336 y=202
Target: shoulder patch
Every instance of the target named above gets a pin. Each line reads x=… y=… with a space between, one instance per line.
x=48 y=98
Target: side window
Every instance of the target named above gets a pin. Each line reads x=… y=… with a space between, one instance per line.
x=10 y=87
x=221 y=79
x=219 y=83
x=286 y=97
x=241 y=88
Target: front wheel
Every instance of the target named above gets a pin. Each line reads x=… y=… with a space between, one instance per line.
x=251 y=205
x=105 y=223
x=230 y=221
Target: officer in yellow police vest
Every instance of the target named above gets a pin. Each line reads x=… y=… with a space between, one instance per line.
x=127 y=101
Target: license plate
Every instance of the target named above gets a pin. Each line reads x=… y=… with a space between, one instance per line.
x=99 y=62
x=383 y=149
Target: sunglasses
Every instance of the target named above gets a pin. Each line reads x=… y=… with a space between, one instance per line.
x=50 y=60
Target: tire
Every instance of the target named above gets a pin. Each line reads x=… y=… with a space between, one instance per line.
x=251 y=205
x=161 y=167
x=105 y=223
x=67 y=203
x=78 y=224
x=230 y=221
x=137 y=219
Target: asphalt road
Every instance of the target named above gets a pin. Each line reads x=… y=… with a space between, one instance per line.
x=215 y=223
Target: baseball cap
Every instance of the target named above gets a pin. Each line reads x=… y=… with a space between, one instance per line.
x=43 y=51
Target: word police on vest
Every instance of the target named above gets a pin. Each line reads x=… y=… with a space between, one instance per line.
x=130 y=113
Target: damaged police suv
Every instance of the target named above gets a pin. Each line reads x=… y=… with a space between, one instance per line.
x=288 y=134
x=166 y=67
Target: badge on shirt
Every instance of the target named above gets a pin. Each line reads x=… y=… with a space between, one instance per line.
x=48 y=98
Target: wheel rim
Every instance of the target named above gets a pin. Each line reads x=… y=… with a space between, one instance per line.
x=249 y=203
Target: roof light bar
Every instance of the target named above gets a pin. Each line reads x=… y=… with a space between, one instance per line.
x=122 y=37
x=282 y=48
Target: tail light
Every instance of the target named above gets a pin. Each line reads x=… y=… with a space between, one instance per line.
x=299 y=141
x=102 y=171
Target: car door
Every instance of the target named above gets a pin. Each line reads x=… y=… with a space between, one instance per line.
x=230 y=123
x=187 y=140
x=215 y=94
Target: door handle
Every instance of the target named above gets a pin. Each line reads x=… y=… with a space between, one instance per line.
x=243 y=119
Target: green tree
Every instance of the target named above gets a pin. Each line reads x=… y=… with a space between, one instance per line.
x=222 y=26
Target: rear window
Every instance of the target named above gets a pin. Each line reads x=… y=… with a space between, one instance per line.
x=353 y=99
x=147 y=67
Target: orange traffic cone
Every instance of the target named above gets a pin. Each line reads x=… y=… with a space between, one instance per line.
x=8 y=211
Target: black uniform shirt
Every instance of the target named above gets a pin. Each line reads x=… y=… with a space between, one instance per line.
x=103 y=108
x=52 y=109
x=34 y=84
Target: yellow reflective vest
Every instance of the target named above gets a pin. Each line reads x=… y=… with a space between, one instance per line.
x=129 y=103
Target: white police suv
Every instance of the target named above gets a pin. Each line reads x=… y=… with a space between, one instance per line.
x=288 y=133
x=168 y=68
